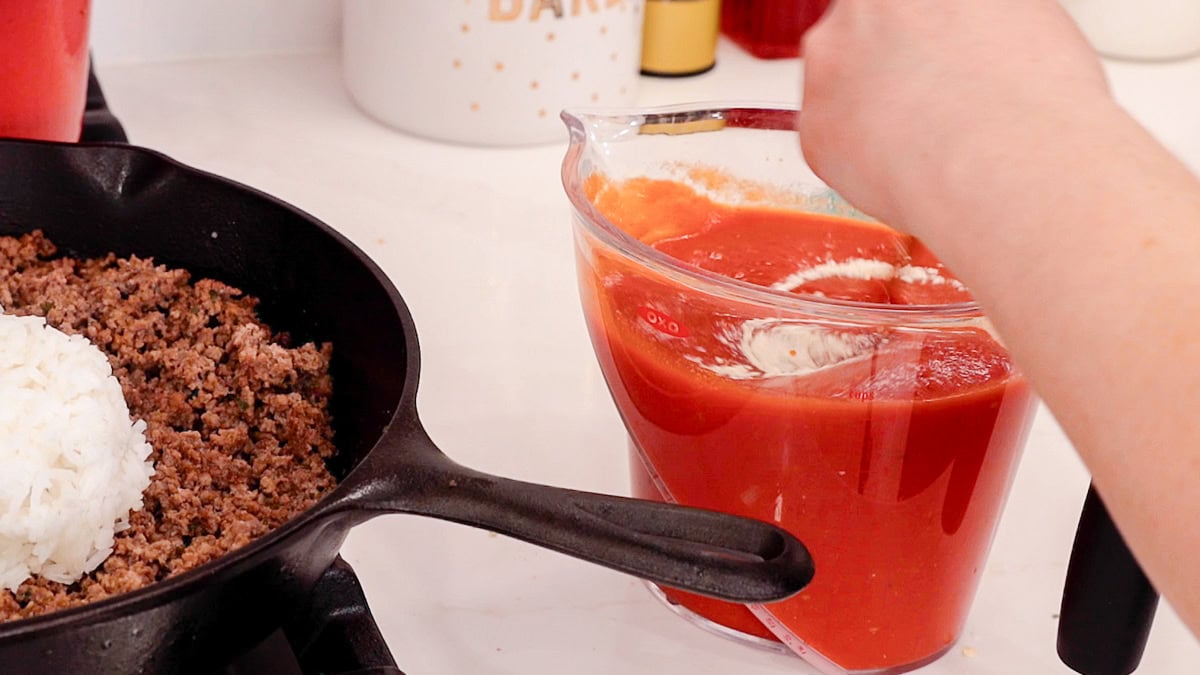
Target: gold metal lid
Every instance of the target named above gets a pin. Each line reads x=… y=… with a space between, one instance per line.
x=679 y=37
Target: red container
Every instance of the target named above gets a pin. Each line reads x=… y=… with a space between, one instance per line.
x=43 y=68
x=770 y=29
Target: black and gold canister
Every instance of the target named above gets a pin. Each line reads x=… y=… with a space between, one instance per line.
x=679 y=37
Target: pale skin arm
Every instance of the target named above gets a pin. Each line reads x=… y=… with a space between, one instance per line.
x=986 y=129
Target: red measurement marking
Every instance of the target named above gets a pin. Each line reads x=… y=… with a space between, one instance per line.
x=663 y=322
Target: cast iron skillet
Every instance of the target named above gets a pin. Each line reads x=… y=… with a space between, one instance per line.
x=94 y=198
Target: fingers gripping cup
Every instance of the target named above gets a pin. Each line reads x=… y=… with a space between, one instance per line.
x=775 y=354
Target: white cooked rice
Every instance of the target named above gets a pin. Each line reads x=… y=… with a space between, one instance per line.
x=72 y=464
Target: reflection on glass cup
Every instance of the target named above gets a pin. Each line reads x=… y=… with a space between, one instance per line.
x=43 y=68
x=777 y=355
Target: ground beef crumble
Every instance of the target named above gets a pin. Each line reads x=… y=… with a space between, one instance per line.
x=238 y=418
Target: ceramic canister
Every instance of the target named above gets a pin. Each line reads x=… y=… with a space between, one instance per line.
x=489 y=72
x=1140 y=29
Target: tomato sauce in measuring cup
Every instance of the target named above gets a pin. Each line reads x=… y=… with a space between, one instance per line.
x=868 y=421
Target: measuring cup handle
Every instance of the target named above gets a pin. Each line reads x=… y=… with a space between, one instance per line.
x=1108 y=604
x=706 y=552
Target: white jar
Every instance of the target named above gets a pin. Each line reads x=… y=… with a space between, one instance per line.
x=1139 y=29
x=489 y=72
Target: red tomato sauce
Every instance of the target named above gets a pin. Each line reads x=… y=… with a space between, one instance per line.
x=891 y=466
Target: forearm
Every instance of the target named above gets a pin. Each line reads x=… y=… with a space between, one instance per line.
x=1081 y=238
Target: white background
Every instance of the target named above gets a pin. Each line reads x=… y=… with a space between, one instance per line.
x=133 y=31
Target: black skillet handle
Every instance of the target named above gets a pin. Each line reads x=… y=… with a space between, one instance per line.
x=714 y=554
x=1108 y=603
x=99 y=124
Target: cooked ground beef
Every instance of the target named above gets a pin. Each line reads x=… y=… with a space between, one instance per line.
x=237 y=417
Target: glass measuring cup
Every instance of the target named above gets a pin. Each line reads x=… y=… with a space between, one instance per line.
x=851 y=393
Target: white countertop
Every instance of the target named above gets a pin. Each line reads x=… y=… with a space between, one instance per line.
x=478 y=242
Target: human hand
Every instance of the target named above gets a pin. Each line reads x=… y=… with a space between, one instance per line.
x=899 y=93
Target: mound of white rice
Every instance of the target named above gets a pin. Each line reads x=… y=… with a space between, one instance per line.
x=72 y=464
